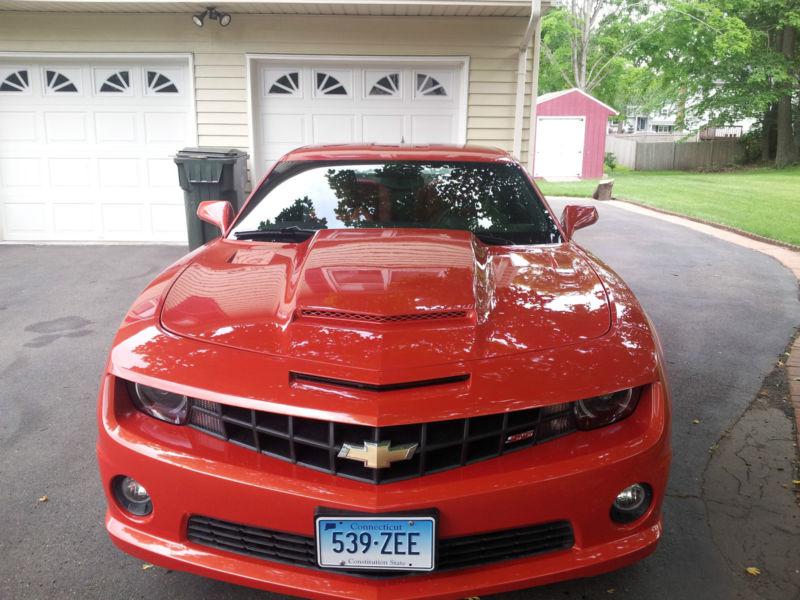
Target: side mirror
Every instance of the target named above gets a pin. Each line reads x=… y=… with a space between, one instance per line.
x=217 y=212
x=577 y=217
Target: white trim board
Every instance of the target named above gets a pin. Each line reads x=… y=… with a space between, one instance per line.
x=553 y=95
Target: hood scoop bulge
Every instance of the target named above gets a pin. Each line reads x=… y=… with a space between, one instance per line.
x=387 y=300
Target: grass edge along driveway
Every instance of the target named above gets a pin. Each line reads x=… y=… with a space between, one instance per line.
x=763 y=201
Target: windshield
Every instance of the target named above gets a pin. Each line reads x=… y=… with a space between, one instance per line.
x=495 y=201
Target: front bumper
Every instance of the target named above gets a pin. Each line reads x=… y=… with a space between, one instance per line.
x=573 y=478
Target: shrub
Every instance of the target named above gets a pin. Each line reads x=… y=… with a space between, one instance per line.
x=610 y=160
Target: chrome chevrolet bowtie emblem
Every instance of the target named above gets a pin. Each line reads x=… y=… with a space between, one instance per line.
x=377 y=455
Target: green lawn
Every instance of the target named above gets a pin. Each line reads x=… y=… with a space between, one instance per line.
x=762 y=201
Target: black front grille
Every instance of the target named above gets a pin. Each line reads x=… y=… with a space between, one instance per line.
x=440 y=445
x=451 y=553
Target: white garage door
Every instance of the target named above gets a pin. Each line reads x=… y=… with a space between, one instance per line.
x=86 y=146
x=559 y=147
x=329 y=102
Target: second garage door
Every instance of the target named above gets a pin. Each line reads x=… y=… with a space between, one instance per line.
x=328 y=102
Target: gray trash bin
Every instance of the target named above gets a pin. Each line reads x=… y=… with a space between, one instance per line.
x=210 y=174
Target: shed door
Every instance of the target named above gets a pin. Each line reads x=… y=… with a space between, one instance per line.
x=559 y=146
x=330 y=102
x=86 y=148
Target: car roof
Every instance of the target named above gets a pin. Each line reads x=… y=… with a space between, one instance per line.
x=386 y=152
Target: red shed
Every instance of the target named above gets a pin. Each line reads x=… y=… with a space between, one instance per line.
x=570 y=135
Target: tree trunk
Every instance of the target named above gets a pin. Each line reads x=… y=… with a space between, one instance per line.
x=797 y=122
x=680 y=116
x=785 y=148
x=768 y=133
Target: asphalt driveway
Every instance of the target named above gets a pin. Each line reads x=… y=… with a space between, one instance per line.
x=724 y=314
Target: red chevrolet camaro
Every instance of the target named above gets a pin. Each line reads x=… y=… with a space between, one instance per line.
x=393 y=376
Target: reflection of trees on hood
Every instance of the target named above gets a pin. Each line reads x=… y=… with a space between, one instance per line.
x=301 y=211
x=471 y=197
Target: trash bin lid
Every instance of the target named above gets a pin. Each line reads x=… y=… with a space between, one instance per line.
x=209 y=153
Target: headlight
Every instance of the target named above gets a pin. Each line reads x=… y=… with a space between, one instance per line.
x=604 y=410
x=166 y=406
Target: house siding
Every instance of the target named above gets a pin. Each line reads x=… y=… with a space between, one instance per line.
x=219 y=56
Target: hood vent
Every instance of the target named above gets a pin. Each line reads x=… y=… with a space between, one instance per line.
x=313 y=313
x=376 y=387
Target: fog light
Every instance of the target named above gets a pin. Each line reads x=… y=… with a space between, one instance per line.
x=631 y=503
x=132 y=496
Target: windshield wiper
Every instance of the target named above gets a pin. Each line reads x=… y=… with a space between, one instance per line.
x=292 y=233
x=494 y=240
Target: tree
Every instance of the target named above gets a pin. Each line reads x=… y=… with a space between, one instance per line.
x=734 y=60
x=591 y=45
x=300 y=212
x=785 y=145
x=586 y=40
x=717 y=61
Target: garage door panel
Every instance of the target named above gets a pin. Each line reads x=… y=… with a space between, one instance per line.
x=123 y=220
x=164 y=127
x=333 y=129
x=65 y=127
x=383 y=129
x=118 y=173
x=70 y=172
x=430 y=129
x=115 y=127
x=161 y=172
x=86 y=148
x=75 y=219
x=167 y=219
x=17 y=126
x=283 y=128
x=20 y=172
x=25 y=219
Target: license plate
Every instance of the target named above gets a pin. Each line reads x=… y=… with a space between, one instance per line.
x=385 y=543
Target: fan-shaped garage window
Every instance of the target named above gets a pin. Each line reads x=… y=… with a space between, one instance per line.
x=158 y=83
x=16 y=82
x=429 y=86
x=388 y=85
x=328 y=85
x=288 y=84
x=119 y=82
x=59 y=83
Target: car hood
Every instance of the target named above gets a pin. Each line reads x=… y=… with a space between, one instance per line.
x=387 y=298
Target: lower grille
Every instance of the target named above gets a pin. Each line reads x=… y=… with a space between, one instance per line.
x=252 y=541
x=452 y=553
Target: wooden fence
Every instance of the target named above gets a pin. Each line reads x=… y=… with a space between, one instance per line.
x=675 y=156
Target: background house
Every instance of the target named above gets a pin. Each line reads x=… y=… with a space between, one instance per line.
x=638 y=120
x=95 y=98
x=665 y=121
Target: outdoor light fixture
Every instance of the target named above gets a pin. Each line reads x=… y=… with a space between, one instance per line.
x=212 y=13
